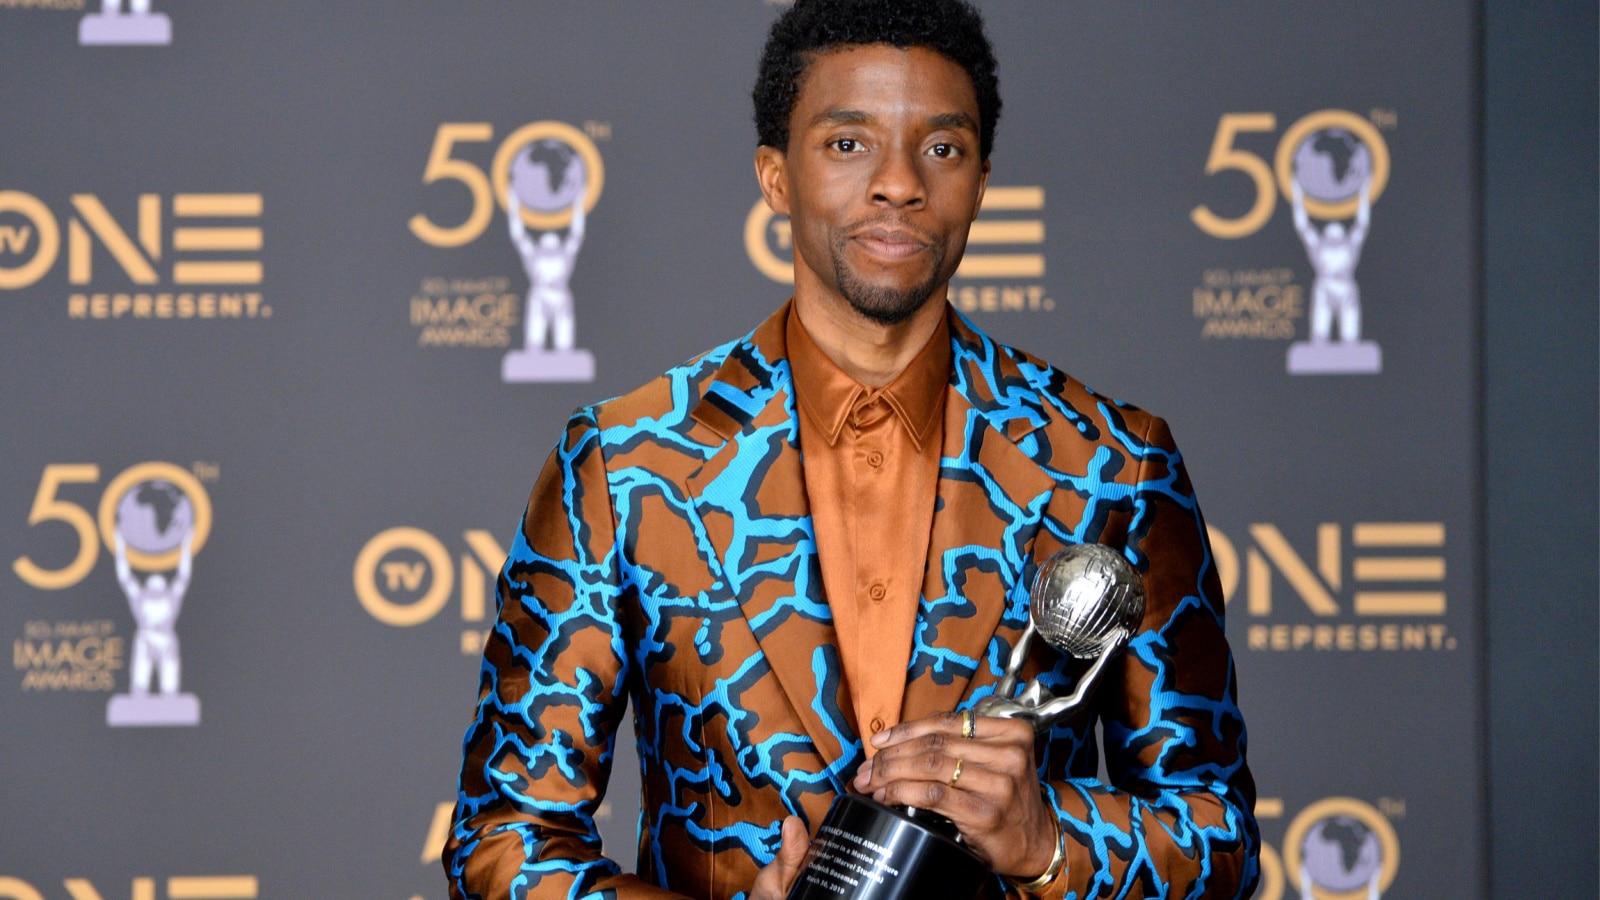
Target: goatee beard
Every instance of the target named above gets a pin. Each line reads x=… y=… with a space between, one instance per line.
x=886 y=306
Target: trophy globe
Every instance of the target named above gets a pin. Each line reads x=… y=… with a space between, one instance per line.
x=548 y=175
x=1087 y=599
x=1340 y=854
x=154 y=516
x=1331 y=165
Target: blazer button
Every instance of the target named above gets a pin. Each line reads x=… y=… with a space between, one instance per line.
x=877 y=725
x=877 y=591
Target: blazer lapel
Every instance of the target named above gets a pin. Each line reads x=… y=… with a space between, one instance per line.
x=750 y=498
x=992 y=496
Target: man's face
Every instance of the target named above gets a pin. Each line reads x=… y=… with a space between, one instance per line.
x=881 y=179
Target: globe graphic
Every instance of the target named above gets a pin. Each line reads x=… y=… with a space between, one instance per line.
x=153 y=517
x=1331 y=164
x=1341 y=853
x=547 y=175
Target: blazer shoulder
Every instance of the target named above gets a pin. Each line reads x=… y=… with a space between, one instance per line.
x=667 y=399
x=1078 y=408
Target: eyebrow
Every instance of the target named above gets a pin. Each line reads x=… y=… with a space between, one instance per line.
x=956 y=120
x=953 y=120
x=841 y=117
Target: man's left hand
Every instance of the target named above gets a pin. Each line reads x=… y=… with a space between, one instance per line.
x=995 y=800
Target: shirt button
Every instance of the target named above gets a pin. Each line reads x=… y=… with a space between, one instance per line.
x=874 y=459
x=877 y=591
x=877 y=725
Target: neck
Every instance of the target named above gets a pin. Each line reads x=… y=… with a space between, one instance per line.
x=868 y=351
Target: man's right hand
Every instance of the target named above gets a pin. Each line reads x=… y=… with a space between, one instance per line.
x=772 y=882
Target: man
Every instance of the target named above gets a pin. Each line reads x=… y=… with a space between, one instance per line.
x=798 y=553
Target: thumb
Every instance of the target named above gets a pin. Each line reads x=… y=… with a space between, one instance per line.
x=793 y=851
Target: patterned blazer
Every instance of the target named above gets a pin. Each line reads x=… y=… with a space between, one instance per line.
x=667 y=560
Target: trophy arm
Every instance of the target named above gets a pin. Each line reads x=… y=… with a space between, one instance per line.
x=1047 y=715
x=1019 y=658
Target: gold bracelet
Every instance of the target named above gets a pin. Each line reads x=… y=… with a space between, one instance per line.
x=1051 y=871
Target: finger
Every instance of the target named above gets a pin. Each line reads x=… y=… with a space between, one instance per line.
x=973 y=806
x=985 y=728
x=1004 y=761
x=939 y=723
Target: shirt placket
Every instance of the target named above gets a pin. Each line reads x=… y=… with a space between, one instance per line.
x=872 y=425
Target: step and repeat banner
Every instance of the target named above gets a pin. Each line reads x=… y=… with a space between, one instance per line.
x=295 y=297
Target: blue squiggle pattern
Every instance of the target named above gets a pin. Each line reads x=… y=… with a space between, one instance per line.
x=589 y=621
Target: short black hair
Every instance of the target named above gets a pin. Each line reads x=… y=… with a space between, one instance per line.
x=952 y=28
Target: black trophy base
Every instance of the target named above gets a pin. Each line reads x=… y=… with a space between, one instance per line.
x=868 y=851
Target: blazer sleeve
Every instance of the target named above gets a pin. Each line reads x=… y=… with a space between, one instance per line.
x=1176 y=818
x=538 y=753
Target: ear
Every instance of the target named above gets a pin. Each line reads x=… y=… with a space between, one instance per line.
x=772 y=173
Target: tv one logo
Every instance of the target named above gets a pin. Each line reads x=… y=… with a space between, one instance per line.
x=178 y=887
x=1388 y=575
x=406 y=576
x=169 y=251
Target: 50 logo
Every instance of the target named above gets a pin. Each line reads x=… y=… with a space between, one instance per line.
x=154 y=517
x=488 y=189
x=1305 y=139
x=152 y=504
x=1338 y=848
x=546 y=176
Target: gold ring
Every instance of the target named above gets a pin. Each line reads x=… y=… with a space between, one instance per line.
x=956 y=775
x=969 y=724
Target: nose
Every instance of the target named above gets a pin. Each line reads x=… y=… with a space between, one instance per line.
x=897 y=181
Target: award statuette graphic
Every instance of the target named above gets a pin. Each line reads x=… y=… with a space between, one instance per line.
x=1087 y=601
x=114 y=27
x=548 y=176
x=1333 y=166
x=154 y=517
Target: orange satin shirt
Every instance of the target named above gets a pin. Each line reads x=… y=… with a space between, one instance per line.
x=871 y=461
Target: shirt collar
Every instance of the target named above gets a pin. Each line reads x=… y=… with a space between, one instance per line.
x=829 y=395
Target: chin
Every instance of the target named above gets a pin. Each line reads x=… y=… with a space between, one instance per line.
x=887 y=302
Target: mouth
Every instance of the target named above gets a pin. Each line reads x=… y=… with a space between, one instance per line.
x=889 y=243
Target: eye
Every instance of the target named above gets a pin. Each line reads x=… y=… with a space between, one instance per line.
x=846 y=145
x=945 y=150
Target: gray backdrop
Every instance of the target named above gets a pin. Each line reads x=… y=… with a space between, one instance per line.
x=342 y=416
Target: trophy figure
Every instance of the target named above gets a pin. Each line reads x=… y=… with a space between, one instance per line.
x=1331 y=165
x=114 y=27
x=1086 y=602
x=151 y=516
x=544 y=174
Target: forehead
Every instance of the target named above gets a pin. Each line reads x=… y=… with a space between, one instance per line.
x=882 y=79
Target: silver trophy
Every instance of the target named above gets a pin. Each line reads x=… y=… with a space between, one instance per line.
x=1087 y=601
